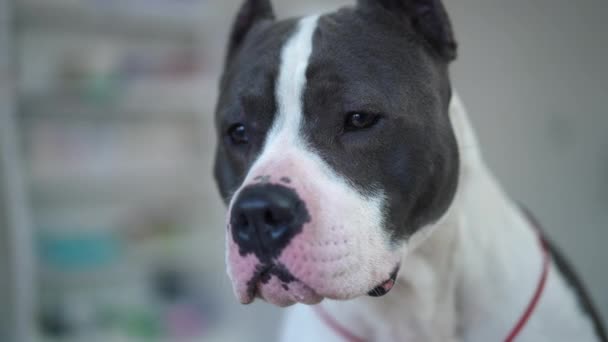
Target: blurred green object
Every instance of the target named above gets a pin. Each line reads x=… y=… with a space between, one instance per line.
x=142 y=323
x=136 y=322
x=101 y=89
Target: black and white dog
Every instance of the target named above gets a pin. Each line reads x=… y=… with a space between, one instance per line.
x=350 y=170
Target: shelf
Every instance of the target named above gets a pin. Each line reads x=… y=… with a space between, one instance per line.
x=181 y=22
x=128 y=188
x=157 y=99
x=72 y=108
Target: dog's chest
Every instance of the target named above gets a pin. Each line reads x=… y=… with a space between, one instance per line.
x=419 y=323
x=422 y=308
x=417 y=309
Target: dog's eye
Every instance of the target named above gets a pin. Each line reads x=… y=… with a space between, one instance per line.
x=238 y=134
x=357 y=120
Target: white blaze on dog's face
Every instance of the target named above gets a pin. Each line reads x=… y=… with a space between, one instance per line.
x=330 y=157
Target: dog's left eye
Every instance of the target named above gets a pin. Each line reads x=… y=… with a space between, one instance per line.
x=357 y=120
x=238 y=134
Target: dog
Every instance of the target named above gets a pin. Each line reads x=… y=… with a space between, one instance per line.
x=355 y=185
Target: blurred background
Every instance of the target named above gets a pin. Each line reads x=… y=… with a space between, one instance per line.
x=110 y=224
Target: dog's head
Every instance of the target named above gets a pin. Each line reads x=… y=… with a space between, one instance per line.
x=335 y=146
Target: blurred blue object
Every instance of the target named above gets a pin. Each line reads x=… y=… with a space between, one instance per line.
x=79 y=251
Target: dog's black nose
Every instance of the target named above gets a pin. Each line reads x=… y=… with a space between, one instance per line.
x=265 y=217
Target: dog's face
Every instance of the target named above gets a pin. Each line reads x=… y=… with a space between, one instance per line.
x=335 y=147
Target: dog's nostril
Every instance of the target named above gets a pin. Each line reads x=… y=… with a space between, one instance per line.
x=265 y=217
x=269 y=218
x=242 y=220
x=277 y=221
x=244 y=229
x=278 y=216
x=244 y=235
x=278 y=232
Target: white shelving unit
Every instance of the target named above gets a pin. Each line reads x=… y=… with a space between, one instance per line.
x=132 y=18
x=16 y=242
x=105 y=165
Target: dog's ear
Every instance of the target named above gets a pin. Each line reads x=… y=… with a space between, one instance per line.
x=225 y=173
x=428 y=18
x=251 y=13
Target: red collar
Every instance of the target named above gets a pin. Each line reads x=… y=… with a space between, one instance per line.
x=521 y=322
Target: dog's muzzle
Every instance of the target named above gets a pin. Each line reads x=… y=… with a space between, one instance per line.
x=264 y=220
x=299 y=242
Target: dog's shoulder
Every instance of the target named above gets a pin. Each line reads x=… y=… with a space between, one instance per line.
x=567 y=281
x=576 y=285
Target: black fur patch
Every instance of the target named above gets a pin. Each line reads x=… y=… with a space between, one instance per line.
x=373 y=64
x=427 y=18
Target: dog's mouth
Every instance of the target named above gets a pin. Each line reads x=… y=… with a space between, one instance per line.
x=263 y=275
x=386 y=286
x=274 y=283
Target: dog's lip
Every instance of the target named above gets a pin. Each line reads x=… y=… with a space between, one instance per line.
x=386 y=286
x=314 y=298
x=255 y=284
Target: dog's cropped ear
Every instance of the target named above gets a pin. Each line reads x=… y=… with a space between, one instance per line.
x=251 y=13
x=428 y=18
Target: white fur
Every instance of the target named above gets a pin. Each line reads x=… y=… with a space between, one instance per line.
x=469 y=281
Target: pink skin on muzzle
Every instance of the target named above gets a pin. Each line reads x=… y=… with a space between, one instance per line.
x=245 y=272
x=336 y=255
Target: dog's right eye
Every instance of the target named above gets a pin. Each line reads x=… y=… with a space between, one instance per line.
x=238 y=134
x=359 y=121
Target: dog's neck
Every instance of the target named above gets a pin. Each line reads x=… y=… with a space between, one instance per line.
x=482 y=254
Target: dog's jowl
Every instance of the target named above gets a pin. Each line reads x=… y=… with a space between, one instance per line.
x=353 y=178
